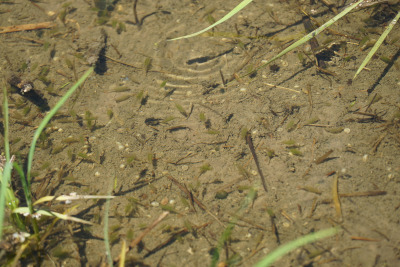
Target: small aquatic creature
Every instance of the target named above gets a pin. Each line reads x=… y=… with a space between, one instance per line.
x=23 y=86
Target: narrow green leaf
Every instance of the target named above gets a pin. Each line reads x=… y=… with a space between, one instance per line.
x=233 y=12
x=377 y=44
x=48 y=117
x=284 y=249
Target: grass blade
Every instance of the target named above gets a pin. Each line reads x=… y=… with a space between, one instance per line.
x=377 y=44
x=27 y=194
x=5 y=178
x=6 y=123
x=105 y=230
x=122 y=255
x=6 y=193
x=233 y=12
x=48 y=117
x=284 y=249
x=25 y=210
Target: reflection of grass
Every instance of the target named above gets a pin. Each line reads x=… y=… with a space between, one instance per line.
x=305 y=38
x=8 y=199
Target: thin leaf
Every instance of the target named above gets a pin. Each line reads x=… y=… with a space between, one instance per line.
x=69 y=198
x=122 y=254
x=233 y=12
x=5 y=178
x=25 y=187
x=105 y=229
x=377 y=44
x=284 y=249
x=6 y=124
x=48 y=117
x=25 y=210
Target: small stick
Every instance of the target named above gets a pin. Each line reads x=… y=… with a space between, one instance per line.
x=137 y=21
x=281 y=87
x=116 y=50
x=190 y=196
x=335 y=196
x=148 y=229
x=357 y=194
x=32 y=40
x=370 y=103
x=318 y=125
x=144 y=233
x=253 y=152
x=377 y=143
x=123 y=63
x=27 y=27
x=249 y=222
x=360 y=238
x=364 y=194
x=222 y=77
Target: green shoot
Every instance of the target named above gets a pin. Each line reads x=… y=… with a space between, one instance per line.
x=233 y=12
x=377 y=44
x=284 y=249
x=46 y=120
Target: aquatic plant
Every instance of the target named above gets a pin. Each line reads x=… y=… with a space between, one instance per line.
x=32 y=212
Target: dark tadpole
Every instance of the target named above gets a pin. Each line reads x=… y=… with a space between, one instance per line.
x=96 y=54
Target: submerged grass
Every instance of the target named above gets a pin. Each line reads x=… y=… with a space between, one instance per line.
x=8 y=199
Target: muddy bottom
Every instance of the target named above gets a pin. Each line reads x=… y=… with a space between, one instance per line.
x=165 y=126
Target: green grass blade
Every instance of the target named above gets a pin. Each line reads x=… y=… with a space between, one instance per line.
x=5 y=178
x=48 y=117
x=105 y=230
x=25 y=187
x=233 y=12
x=377 y=44
x=6 y=124
x=7 y=196
x=284 y=249
x=309 y=36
